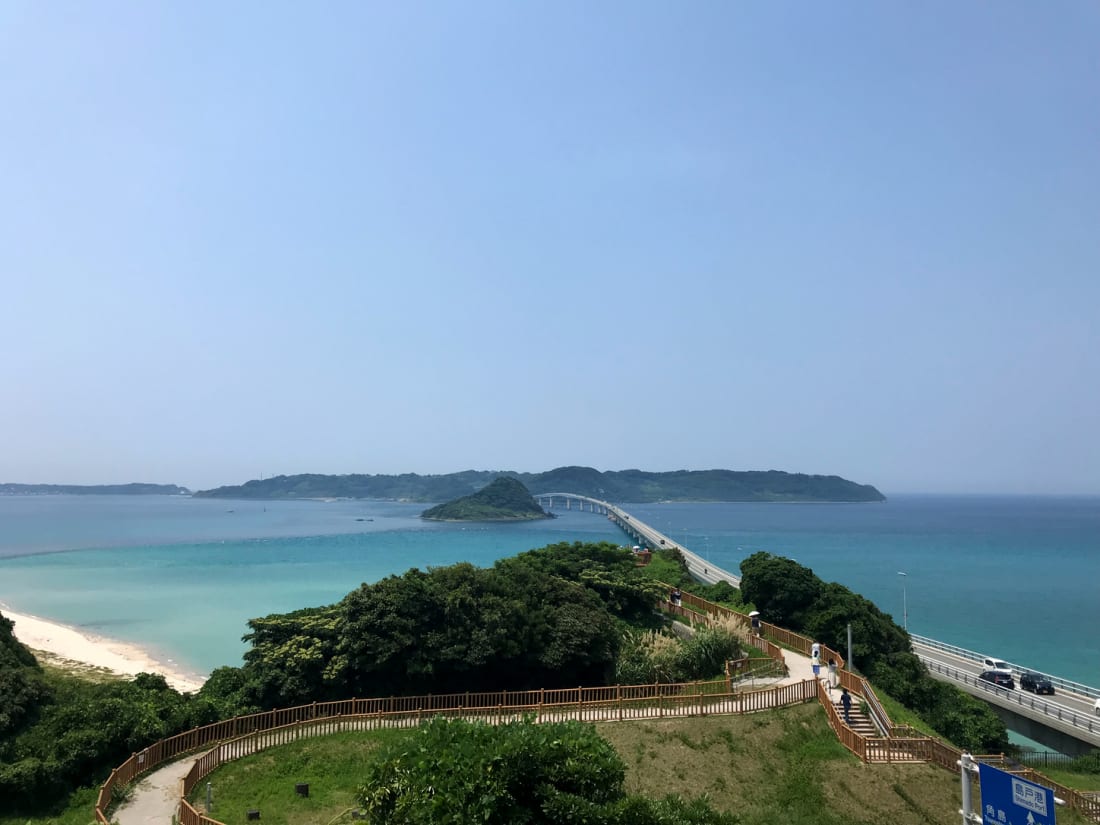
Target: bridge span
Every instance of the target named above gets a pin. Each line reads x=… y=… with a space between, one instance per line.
x=1069 y=721
x=650 y=537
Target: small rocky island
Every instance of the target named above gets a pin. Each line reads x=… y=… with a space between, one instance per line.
x=504 y=499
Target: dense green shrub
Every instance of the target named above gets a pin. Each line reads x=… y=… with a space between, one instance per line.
x=22 y=687
x=545 y=618
x=656 y=656
x=84 y=729
x=522 y=773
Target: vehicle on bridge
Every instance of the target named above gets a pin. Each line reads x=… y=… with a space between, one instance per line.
x=998 y=665
x=1036 y=683
x=999 y=678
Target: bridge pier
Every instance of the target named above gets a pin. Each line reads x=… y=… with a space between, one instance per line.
x=1041 y=733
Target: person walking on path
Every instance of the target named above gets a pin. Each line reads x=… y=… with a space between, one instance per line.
x=846 y=704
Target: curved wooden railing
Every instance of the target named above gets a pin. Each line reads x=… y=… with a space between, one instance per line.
x=235 y=737
x=246 y=734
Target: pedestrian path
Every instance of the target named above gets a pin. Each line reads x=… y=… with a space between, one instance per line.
x=155 y=798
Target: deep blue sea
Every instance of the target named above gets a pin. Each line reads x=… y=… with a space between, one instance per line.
x=1016 y=577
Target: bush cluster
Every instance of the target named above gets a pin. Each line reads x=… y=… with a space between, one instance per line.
x=657 y=656
x=522 y=773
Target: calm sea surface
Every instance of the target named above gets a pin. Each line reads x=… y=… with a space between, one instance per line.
x=1016 y=577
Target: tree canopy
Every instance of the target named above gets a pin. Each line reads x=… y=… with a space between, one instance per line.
x=790 y=595
x=59 y=732
x=545 y=618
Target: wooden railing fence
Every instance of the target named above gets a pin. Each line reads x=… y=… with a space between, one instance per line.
x=246 y=734
x=699 y=609
x=902 y=743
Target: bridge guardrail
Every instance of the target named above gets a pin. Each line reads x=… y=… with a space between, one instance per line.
x=964 y=653
x=1048 y=709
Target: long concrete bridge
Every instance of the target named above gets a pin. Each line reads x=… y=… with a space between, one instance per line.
x=647 y=536
x=1068 y=721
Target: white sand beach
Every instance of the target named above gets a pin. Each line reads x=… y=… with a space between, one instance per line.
x=67 y=644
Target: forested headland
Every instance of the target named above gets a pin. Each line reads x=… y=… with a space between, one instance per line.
x=560 y=616
x=636 y=486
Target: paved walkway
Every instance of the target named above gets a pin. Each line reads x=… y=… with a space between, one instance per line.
x=155 y=797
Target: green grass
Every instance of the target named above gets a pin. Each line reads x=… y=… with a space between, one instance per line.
x=662 y=568
x=332 y=766
x=778 y=766
x=901 y=715
x=1077 y=781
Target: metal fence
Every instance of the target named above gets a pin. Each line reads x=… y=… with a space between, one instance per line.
x=1025 y=701
x=963 y=653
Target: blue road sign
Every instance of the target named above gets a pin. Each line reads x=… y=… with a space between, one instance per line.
x=1009 y=800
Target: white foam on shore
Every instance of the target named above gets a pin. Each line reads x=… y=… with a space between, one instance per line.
x=97 y=651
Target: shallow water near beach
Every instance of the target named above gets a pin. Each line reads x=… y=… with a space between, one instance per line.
x=1017 y=577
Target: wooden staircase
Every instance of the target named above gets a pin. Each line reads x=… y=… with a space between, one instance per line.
x=861 y=723
x=879 y=748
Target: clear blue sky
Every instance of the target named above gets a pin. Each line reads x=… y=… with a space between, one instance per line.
x=256 y=238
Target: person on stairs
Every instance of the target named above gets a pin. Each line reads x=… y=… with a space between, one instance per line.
x=846 y=703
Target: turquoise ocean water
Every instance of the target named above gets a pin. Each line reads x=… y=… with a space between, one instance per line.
x=1017 y=577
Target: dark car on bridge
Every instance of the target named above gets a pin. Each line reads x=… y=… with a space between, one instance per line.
x=999 y=678
x=1036 y=683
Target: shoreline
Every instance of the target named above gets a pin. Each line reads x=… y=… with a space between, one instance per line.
x=72 y=649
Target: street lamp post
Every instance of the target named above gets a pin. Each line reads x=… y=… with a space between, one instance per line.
x=904 y=602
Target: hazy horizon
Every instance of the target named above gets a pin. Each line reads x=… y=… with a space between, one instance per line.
x=252 y=240
x=887 y=493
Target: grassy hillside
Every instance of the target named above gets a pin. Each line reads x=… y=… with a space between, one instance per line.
x=783 y=766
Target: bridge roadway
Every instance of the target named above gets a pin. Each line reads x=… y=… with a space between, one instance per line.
x=699 y=568
x=1071 y=714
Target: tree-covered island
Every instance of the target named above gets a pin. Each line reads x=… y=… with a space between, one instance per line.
x=504 y=499
x=638 y=486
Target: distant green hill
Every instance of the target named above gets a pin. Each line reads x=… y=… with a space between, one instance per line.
x=635 y=486
x=92 y=490
x=505 y=499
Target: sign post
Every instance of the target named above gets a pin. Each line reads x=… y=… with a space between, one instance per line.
x=1010 y=800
